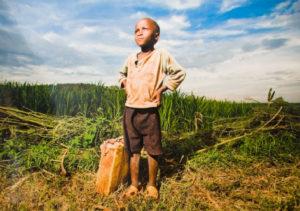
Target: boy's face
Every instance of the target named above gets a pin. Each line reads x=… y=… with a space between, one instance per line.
x=146 y=34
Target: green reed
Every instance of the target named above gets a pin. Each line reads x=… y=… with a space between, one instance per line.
x=178 y=110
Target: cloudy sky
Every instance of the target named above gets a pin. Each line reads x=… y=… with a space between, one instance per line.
x=230 y=49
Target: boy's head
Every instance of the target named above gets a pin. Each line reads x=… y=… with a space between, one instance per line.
x=146 y=33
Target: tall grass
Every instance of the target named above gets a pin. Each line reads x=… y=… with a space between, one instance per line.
x=177 y=112
x=64 y=99
x=70 y=99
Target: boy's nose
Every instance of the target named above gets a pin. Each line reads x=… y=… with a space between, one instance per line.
x=140 y=32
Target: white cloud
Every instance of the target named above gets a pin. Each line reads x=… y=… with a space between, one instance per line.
x=283 y=5
x=246 y=65
x=36 y=16
x=172 y=44
x=248 y=75
x=139 y=15
x=173 y=27
x=89 y=1
x=179 y=4
x=174 y=22
x=295 y=7
x=227 y=71
x=51 y=36
x=125 y=36
x=287 y=7
x=219 y=32
x=89 y=29
x=101 y=48
x=228 y=5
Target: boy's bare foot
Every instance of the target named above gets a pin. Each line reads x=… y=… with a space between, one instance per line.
x=151 y=192
x=131 y=192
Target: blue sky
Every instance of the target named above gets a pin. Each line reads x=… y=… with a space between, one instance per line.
x=230 y=49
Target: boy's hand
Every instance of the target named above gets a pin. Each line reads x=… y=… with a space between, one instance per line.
x=157 y=94
x=125 y=86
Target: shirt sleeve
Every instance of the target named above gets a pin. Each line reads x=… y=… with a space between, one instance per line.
x=123 y=73
x=174 y=71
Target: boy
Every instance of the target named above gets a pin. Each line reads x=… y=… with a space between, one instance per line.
x=143 y=77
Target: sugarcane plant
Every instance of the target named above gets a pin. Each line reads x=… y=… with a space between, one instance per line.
x=271 y=94
x=271 y=100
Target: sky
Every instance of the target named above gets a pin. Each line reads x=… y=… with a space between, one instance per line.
x=230 y=49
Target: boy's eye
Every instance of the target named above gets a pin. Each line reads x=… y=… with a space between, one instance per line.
x=142 y=29
x=137 y=30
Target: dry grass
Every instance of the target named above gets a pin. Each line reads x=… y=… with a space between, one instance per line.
x=256 y=185
x=264 y=185
x=45 y=191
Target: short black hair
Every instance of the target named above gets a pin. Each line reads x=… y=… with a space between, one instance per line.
x=157 y=26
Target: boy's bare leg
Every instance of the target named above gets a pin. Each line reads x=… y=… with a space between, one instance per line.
x=153 y=167
x=134 y=169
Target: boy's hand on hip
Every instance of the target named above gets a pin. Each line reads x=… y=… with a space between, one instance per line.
x=157 y=96
x=158 y=93
x=125 y=86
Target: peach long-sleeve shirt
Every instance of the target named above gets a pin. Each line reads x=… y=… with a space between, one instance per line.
x=145 y=76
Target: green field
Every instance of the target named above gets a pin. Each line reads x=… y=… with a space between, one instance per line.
x=219 y=155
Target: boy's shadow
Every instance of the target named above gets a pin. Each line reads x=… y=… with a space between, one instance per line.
x=177 y=150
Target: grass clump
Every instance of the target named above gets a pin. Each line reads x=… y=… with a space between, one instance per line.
x=68 y=144
x=240 y=178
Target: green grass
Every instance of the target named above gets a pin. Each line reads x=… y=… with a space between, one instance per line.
x=177 y=112
x=63 y=99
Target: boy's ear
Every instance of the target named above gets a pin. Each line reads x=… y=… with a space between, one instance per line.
x=156 y=36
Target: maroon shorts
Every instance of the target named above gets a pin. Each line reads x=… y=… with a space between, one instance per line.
x=141 y=128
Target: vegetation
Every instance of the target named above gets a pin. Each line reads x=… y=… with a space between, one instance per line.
x=63 y=99
x=219 y=155
x=178 y=112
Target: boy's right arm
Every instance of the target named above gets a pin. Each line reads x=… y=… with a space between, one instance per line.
x=123 y=75
x=124 y=84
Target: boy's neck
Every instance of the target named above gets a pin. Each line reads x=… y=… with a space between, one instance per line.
x=145 y=51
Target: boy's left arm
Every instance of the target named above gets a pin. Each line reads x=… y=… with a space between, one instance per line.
x=158 y=94
x=175 y=72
